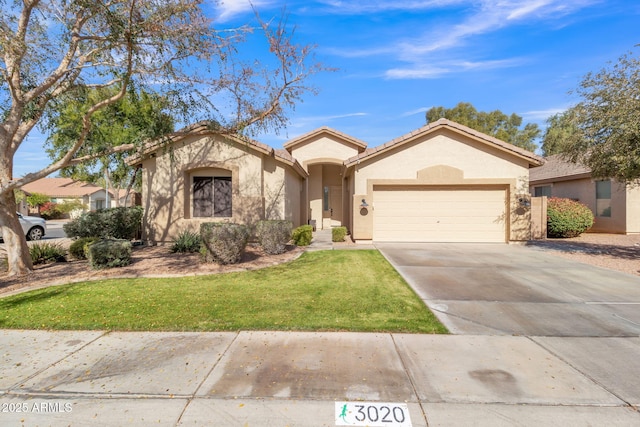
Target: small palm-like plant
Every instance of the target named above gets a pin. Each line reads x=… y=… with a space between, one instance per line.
x=187 y=242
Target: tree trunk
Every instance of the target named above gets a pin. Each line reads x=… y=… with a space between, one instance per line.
x=130 y=187
x=18 y=257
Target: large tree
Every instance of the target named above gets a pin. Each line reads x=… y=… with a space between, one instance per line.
x=55 y=48
x=560 y=128
x=135 y=118
x=607 y=122
x=495 y=123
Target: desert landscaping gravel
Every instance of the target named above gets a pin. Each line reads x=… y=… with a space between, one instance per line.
x=614 y=251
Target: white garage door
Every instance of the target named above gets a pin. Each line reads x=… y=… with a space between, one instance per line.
x=422 y=214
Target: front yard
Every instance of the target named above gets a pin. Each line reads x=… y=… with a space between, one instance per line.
x=320 y=291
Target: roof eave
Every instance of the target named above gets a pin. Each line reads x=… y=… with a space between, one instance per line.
x=531 y=158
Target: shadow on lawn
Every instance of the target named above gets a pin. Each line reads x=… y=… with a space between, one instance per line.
x=27 y=298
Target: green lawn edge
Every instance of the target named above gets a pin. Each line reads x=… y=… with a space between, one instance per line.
x=337 y=290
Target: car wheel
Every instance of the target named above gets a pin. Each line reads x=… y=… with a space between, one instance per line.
x=35 y=233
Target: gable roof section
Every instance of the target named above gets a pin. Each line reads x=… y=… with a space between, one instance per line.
x=204 y=129
x=361 y=145
x=533 y=159
x=61 y=187
x=558 y=169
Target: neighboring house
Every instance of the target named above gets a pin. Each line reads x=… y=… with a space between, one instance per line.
x=62 y=190
x=442 y=182
x=615 y=206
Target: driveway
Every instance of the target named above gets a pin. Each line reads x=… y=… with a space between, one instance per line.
x=496 y=289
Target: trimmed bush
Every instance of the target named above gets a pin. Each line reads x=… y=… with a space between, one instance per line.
x=302 y=235
x=187 y=242
x=115 y=223
x=338 y=234
x=274 y=235
x=78 y=248
x=223 y=242
x=44 y=253
x=567 y=218
x=109 y=253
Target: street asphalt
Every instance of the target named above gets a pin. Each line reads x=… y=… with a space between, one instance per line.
x=492 y=371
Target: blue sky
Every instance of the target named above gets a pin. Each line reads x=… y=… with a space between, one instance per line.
x=398 y=58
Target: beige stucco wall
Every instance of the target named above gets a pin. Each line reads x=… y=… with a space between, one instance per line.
x=623 y=207
x=259 y=185
x=443 y=158
x=633 y=210
x=321 y=148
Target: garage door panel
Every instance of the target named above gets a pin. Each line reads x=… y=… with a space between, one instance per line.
x=437 y=215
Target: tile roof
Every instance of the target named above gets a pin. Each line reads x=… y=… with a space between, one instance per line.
x=556 y=168
x=325 y=129
x=204 y=128
x=61 y=187
x=533 y=159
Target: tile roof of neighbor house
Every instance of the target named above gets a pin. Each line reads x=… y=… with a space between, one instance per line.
x=534 y=159
x=61 y=187
x=204 y=128
x=321 y=130
x=555 y=168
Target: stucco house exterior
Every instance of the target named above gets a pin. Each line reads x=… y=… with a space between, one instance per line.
x=62 y=190
x=615 y=206
x=443 y=182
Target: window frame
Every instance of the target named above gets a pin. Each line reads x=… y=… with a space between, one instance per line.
x=211 y=188
x=603 y=203
x=542 y=189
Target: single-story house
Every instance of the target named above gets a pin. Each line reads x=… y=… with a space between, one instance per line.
x=443 y=182
x=615 y=206
x=62 y=190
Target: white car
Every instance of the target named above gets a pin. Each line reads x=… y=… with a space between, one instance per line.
x=33 y=227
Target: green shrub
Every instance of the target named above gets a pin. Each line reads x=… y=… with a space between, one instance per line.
x=89 y=224
x=109 y=253
x=78 y=248
x=302 y=235
x=124 y=223
x=223 y=242
x=186 y=242
x=115 y=223
x=338 y=234
x=567 y=218
x=49 y=210
x=274 y=235
x=44 y=253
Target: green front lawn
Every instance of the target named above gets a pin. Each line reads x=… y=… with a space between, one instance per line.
x=320 y=291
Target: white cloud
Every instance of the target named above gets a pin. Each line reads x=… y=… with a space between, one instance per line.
x=431 y=71
x=228 y=9
x=423 y=53
x=490 y=16
x=420 y=110
x=542 y=115
x=377 y=6
x=312 y=122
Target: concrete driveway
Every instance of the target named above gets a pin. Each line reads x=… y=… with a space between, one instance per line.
x=495 y=289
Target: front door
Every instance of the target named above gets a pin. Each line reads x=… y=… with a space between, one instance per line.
x=332 y=212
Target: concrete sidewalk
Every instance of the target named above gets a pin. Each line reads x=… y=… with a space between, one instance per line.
x=295 y=379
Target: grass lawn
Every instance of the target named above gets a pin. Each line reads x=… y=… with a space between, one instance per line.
x=320 y=291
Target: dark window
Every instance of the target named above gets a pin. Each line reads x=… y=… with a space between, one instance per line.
x=222 y=197
x=212 y=196
x=603 y=198
x=542 y=191
x=325 y=198
x=202 y=196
